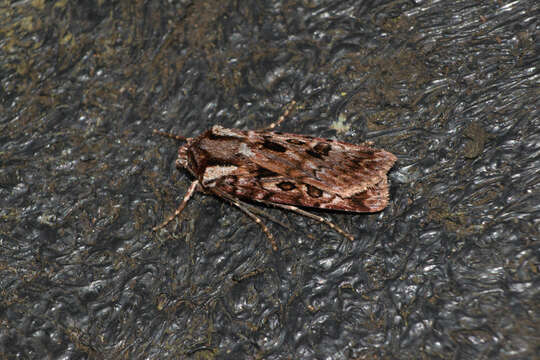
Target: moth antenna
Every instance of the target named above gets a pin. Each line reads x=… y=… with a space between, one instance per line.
x=288 y=109
x=170 y=135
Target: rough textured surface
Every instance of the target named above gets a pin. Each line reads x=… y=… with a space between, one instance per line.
x=449 y=270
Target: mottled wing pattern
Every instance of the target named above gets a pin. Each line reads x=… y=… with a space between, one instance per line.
x=314 y=172
x=336 y=167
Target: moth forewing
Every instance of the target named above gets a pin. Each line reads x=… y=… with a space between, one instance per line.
x=332 y=166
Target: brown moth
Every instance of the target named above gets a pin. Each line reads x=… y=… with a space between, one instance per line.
x=284 y=170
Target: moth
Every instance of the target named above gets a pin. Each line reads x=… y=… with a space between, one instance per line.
x=287 y=171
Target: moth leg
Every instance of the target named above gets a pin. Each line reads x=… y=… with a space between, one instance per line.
x=367 y=143
x=169 y=135
x=316 y=217
x=286 y=113
x=244 y=208
x=188 y=195
x=260 y=212
x=254 y=217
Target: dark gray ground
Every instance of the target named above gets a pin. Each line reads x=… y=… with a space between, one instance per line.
x=450 y=270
